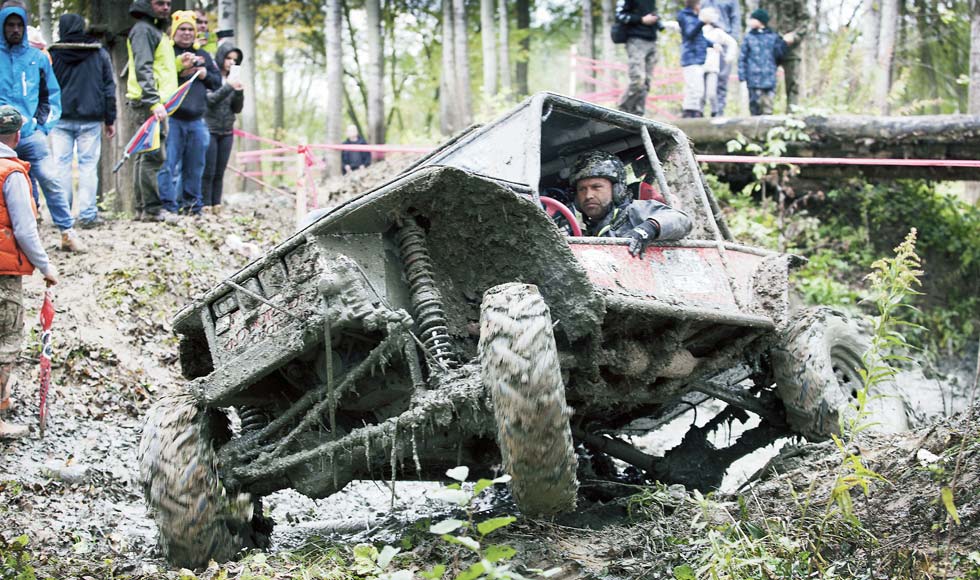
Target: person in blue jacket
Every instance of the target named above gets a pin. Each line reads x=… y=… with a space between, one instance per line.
x=761 y=53
x=28 y=83
x=694 y=51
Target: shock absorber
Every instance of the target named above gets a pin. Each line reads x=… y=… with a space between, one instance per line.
x=430 y=314
x=253 y=419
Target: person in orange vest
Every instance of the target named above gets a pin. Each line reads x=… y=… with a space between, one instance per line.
x=20 y=253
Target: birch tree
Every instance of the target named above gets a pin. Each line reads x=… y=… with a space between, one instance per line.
x=608 y=48
x=44 y=20
x=375 y=74
x=245 y=33
x=447 y=76
x=504 y=47
x=461 y=54
x=489 y=48
x=586 y=41
x=228 y=17
x=333 y=34
x=886 y=53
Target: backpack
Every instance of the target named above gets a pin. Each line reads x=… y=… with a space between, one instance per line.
x=618 y=33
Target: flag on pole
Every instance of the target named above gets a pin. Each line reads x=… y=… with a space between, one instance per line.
x=147 y=137
x=47 y=317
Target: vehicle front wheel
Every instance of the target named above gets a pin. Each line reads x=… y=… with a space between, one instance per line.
x=817 y=365
x=519 y=364
x=197 y=520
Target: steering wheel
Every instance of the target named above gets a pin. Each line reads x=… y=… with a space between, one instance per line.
x=553 y=208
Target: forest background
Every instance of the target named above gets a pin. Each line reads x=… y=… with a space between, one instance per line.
x=416 y=71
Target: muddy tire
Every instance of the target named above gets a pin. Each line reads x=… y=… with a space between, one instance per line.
x=197 y=521
x=519 y=364
x=816 y=369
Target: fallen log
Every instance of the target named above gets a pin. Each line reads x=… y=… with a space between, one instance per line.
x=941 y=137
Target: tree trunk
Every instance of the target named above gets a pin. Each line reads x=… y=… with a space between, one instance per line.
x=279 y=88
x=44 y=20
x=489 y=49
x=608 y=48
x=448 y=98
x=871 y=28
x=886 y=54
x=586 y=41
x=246 y=41
x=228 y=18
x=333 y=32
x=504 y=47
x=116 y=189
x=375 y=74
x=972 y=194
x=524 y=31
x=461 y=54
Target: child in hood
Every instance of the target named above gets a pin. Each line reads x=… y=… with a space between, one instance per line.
x=761 y=52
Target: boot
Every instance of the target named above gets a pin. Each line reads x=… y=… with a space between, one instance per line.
x=216 y=209
x=71 y=243
x=11 y=430
x=6 y=387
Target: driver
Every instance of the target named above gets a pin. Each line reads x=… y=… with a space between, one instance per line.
x=599 y=182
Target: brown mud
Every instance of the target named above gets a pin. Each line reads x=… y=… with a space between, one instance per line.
x=75 y=495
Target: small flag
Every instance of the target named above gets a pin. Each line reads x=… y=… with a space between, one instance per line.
x=147 y=137
x=47 y=317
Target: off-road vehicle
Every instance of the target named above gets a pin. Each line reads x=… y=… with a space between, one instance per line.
x=443 y=319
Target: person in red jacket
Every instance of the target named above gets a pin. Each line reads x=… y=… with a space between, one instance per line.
x=20 y=253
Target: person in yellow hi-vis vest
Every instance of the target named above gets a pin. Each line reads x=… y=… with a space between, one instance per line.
x=152 y=78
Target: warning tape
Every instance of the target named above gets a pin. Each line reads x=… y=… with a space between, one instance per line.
x=839 y=161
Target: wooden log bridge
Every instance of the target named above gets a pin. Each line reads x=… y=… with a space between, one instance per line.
x=939 y=137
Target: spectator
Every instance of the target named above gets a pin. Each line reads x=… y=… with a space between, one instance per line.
x=792 y=19
x=761 y=52
x=27 y=82
x=187 y=147
x=223 y=104
x=354 y=160
x=729 y=20
x=694 y=51
x=20 y=253
x=152 y=79
x=205 y=38
x=724 y=50
x=84 y=71
x=642 y=22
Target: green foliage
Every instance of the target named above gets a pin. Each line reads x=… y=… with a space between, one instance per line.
x=15 y=559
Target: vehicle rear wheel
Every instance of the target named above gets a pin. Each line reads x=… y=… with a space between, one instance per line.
x=817 y=371
x=519 y=364
x=197 y=521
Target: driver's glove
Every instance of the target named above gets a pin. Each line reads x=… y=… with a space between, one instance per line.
x=642 y=235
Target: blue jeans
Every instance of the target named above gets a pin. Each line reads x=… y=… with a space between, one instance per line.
x=87 y=137
x=44 y=169
x=187 y=147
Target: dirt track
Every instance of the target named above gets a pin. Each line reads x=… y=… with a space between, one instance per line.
x=74 y=492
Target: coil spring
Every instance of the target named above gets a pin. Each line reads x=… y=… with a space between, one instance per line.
x=253 y=419
x=430 y=315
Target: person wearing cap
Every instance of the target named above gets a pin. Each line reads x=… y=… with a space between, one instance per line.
x=761 y=53
x=28 y=83
x=187 y=146
x=88 y=84
x=599 y=181
x=21 y=252
x=152 y=79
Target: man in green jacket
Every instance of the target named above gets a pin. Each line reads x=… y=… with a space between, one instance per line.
x=152 y=79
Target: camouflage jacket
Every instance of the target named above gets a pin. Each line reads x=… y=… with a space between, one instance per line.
x=761 y=52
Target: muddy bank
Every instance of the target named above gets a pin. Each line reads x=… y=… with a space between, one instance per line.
x=74 y=493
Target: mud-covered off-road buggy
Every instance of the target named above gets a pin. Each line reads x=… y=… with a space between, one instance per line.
x=443 y=319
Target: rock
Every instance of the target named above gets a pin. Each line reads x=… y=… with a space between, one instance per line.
x=71 y=474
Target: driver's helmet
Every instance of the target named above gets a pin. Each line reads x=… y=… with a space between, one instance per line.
x=602 y=164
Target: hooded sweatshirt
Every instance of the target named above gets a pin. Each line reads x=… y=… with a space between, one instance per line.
x=27 y=80
x=152 y=64
x=84 y=72
x=225 y=102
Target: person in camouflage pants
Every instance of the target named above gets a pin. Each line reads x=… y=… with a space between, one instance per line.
x=791 y=20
